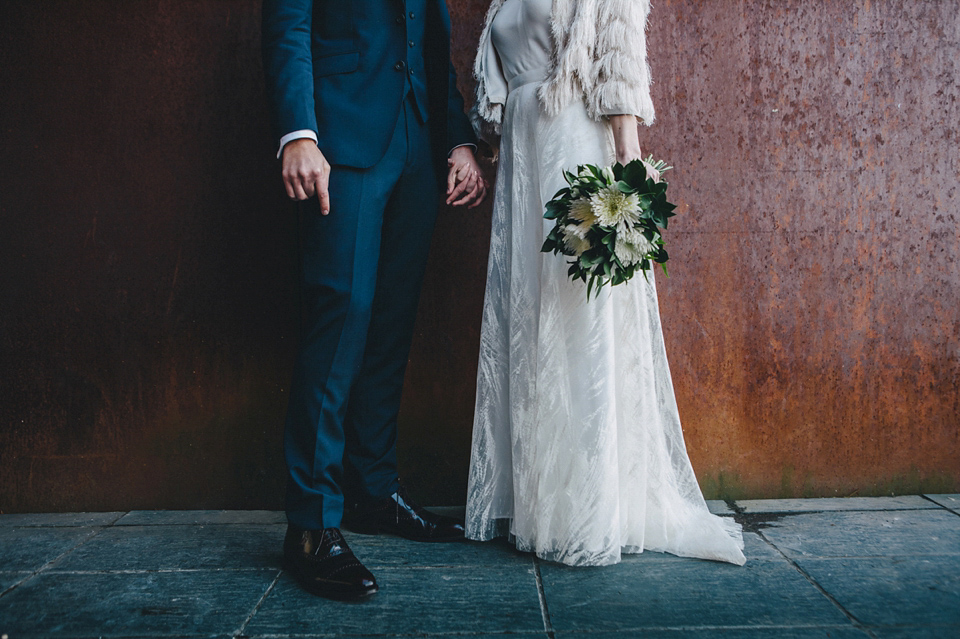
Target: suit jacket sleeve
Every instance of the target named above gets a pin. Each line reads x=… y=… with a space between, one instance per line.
x=459 y=129
x=288 y=64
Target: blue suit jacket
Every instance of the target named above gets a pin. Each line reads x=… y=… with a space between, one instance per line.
x=330 y=67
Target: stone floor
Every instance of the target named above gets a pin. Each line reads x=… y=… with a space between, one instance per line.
x=858 y=567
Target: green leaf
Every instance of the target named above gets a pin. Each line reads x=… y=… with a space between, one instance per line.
x=555 y=209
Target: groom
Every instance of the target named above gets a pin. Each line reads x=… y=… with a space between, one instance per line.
x=371 y=123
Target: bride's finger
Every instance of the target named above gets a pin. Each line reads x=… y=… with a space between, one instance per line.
x=468 y=197
x=481 y=196
x=457 y=191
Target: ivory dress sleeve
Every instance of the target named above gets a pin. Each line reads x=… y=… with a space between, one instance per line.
x=621 y=74
x=487 y=112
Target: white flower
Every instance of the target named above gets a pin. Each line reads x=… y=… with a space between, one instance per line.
x=581 y=210
x=607 y=174
x=632 y=246
x=611 y=206
x=574 y=241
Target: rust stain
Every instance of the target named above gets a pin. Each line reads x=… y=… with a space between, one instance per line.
x=146 y=326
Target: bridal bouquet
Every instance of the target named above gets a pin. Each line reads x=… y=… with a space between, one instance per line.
x=609 y=220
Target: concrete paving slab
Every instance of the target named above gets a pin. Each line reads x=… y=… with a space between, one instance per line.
x=683 y=594
x=27 y=549
x=893 y=591
x=59 y=519
x=917 y=632
x=200 y=517
x=382 y=550
x=123 y=604
x=754 y=549
x=947 y=501
x=319 y=634
x=457 y=512
x=903 y=502
x=774 y=632
x=239 y=546
x=412 y=601
x=861 y=534
x=719 y=507
x=8 y=579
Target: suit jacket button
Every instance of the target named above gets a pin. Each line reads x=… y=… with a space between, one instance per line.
x=412 y=15
x=399 y=19
x=399 y=66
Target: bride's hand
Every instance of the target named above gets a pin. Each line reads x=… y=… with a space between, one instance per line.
x=626 y=137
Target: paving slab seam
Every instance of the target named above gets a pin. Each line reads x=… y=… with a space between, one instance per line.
x=105 y=524
x=195 y=524
x=957 y=513
x=749 y=522
x=152 y=571
x=649 y=629
x=894 y=626
x=794 y=513
x=256 y=608
x=849 y=615
x=95 y=530
x=467 y=634
x=89 y=636
x=542 y=596
x=202 y=635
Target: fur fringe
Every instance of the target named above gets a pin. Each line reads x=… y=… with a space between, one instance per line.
x=599 y=56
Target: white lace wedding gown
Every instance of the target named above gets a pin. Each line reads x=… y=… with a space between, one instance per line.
x=578 y=453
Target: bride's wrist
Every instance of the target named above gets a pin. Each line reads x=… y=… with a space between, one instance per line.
x=626 y=137
x=627 y=152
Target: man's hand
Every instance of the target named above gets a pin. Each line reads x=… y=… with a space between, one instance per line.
x=306 y=172
x=465 y=183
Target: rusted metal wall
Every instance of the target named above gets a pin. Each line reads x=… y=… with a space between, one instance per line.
x=147 y=270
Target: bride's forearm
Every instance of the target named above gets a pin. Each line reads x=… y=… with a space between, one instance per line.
x=626 y=137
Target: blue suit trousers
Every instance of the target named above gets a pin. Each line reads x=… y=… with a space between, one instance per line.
x=361 y=270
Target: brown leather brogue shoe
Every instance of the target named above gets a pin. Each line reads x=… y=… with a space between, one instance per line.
x=398 y=515
x=325 y=566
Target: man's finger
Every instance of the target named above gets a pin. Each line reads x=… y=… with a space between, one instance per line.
x=451 y=176
x=288 y=185
x=299 y=191
x=323 y=191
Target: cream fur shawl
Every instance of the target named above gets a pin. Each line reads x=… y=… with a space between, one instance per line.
x=599 y=56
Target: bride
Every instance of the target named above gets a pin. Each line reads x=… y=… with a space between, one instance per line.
x=578 y=453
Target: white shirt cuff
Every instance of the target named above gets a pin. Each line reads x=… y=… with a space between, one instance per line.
x=295 y=135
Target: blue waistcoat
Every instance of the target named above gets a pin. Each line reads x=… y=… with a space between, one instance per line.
x=343 y=68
